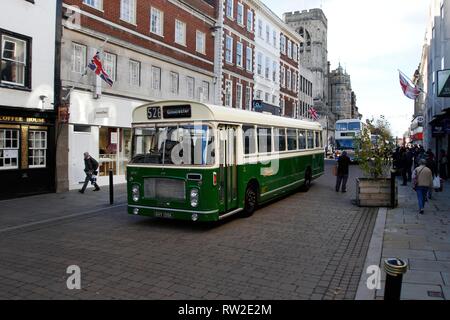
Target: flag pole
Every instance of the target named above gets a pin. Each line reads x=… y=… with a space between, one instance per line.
x=84 y=71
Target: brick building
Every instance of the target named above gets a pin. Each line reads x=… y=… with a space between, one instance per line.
x=158 y=49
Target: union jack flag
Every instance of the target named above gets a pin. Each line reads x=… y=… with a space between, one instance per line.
x=313 y=113
x=97 y=66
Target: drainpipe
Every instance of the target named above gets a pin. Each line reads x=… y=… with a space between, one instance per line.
x=218 y=57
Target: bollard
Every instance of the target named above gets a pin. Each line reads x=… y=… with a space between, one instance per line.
x=395 y=268
x=111 y=187
x=393 y=184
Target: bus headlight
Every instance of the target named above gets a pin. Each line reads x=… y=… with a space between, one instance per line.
x=194 y=198
x=135 y=193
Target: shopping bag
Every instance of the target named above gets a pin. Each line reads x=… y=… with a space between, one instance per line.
x=437 y=182
x=334 y=170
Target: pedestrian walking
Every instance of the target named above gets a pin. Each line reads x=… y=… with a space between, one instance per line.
x=409 y=163
x=443 y=163
x=402 y=164
x=343 y=165
x=422 y=182
x=90 y=168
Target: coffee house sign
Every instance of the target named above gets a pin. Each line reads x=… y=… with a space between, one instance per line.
x=22 y=119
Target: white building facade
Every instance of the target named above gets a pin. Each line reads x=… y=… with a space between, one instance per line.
x=267 y=56
x=27 y=117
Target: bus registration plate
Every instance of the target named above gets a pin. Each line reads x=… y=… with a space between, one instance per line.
x=162 y=214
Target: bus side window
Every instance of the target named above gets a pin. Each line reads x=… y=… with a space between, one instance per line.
x=310 y=139
x=292 y=139
x=264 y=140
x=248 y=135
x=301 y=139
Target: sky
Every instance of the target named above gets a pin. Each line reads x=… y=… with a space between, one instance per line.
x=372 y=40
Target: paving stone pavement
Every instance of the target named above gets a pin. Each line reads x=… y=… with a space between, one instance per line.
x=305 y=246
x=421 y=240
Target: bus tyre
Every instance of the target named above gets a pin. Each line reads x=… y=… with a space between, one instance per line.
x=307 y=183
x=251 y=201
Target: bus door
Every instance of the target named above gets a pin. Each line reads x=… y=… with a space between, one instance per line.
x=228 y=199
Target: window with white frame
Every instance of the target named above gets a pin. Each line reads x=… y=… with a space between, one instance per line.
x=248 y=59
x=267 y=69
x=267 y=33
x=110 y=64
x=156 y=21
x=283 y=44
x=228 y=93
x=205 y=89
x=156 y=78
x=282 y=105
x=128 y=11
x=274 y=100
x=239 y=95
x=249 y=20
x=289 y=49
x=259 y=63
x=240 y=13
x=260 y=28
x=9 y=149
x=135 y=73
x=288 y=79
x=78 y=58
x=190 y=87
x=239 y=54
x=200 y=42
x=37 y=149
x=229 y=8
x=294 y=81
x=14 y=64
x=248 y=98
x=180 y=32
x=274 y=38
x=229 y=49
x=258 y=94
x=282 y=76
x=266 y=97
x=274 y=71
x=97 y=4
x=295 y=52
x=174 y=82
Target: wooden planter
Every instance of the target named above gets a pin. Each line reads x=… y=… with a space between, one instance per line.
x=375 y=193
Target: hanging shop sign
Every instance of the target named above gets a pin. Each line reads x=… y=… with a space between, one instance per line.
x=443 y=83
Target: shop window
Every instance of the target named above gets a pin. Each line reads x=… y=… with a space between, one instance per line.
x=37 y=149
x=9 y=149
x=114 y=150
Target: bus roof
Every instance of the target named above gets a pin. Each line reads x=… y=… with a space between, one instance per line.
x=207 y=112
x=349 y=120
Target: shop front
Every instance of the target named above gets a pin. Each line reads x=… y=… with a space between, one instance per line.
x=27 y=164
x=101 y=127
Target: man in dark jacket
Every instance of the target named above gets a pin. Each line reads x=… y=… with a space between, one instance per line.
x=90 y=168
x=343 y=164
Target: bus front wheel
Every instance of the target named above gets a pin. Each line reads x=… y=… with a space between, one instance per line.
x=251 y=200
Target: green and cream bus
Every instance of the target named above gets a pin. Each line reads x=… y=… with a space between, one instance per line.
x=194 y=161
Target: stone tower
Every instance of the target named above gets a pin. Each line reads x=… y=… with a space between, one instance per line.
x=312 y=25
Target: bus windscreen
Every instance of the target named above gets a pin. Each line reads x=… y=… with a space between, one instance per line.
x=345 y=144
x=174 y=145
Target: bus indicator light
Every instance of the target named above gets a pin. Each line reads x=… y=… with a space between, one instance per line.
x=214 y=179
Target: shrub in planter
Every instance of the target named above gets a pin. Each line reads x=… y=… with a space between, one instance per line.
x=374 y=152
